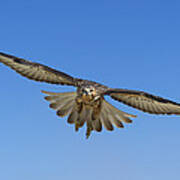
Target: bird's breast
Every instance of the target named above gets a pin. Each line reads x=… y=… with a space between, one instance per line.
x=87 y=98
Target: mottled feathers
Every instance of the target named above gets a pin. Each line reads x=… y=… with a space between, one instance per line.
x=88 y=105
x=36 y=71
x=145 y=102
x=109 y=116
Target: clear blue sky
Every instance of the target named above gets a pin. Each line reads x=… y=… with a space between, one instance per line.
x=124 y=44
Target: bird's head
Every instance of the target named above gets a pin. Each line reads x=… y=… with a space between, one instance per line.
x=88 y=93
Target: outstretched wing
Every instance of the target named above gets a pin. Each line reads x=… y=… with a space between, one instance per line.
x=144 y=101
x=36 y=71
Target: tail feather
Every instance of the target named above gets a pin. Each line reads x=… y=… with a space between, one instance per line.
x=83 y=116
x=62 y=102
x=53 y=97
x=120 y=115
x=110 y=116
x=64 y=111
x=105 y=120
x=97 y=125
x=107 y=116
x=73 y=116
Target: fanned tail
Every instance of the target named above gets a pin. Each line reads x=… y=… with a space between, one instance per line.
x=110 y=116
x=65 y=104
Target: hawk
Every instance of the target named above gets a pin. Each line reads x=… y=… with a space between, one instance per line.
x=87 y=105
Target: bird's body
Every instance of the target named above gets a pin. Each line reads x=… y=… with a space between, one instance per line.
x=87 y=104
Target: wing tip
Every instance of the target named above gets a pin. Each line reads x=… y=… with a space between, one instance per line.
x=6 y=55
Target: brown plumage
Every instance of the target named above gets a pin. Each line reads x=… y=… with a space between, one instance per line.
x=87 y=105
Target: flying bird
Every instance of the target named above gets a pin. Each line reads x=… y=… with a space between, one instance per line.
x=87 y=105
